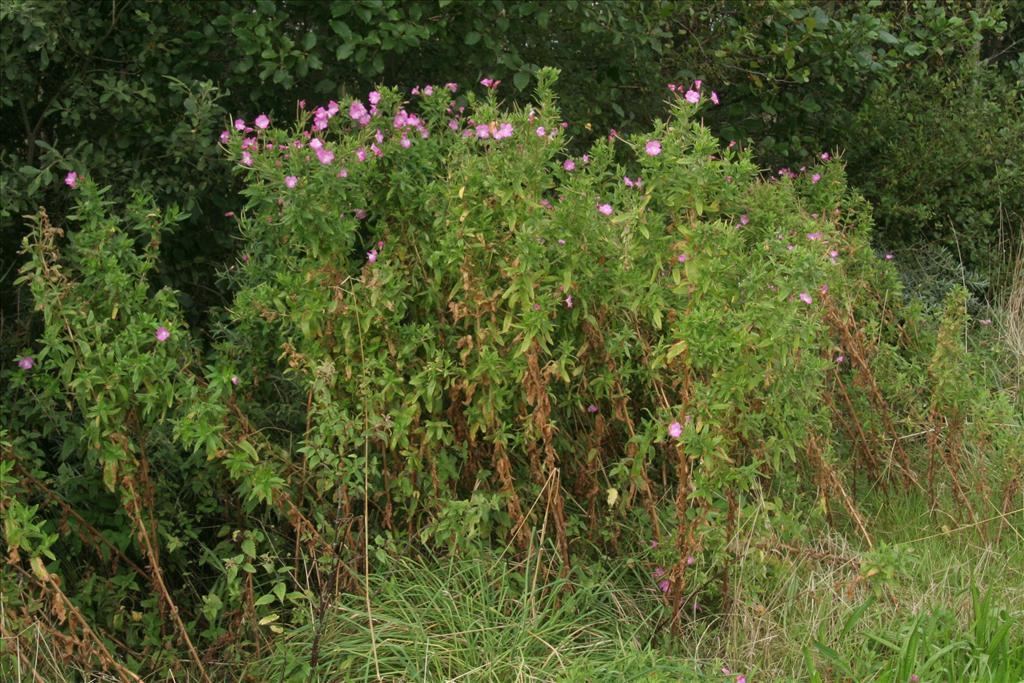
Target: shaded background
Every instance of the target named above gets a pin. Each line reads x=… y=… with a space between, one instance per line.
x=922 y=99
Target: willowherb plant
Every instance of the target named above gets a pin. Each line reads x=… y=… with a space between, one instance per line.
x=445 y=331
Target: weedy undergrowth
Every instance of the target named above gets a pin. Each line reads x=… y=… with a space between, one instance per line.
x=445 y=331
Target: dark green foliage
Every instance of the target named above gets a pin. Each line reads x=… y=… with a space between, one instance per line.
x=137 y=94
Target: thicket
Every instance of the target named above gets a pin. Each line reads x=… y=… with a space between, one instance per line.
x=448 y=329
x=918 y=92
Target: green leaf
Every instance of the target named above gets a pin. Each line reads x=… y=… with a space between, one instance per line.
x=472 y=38
x=521 y=80
x=344 y=51
x=264 y=600
x=914 y=49
x=340 y=28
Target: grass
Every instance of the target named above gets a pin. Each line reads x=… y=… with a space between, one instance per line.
x=481 y=618
x=931 y=600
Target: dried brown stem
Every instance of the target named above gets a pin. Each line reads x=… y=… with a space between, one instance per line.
x=158 y=579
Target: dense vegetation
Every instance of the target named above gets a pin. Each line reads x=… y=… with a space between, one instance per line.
x=283 y=373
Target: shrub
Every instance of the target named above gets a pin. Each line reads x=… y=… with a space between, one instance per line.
x=445 y=333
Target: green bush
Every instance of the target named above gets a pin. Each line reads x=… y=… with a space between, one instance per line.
x=952 y=182
x=446 y=333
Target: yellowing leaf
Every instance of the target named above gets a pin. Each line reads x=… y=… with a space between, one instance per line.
x=613 y=496
x=39 y=569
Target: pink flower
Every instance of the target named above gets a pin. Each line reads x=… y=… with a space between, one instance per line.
x=488 y=83
x=664 y=585
x=357 y=111
x=692 y=96
x=658 y=572
x=825 y=156
x=262 y=121
x=697 y=83
x=405 y=142
x=914 y=678
x=229 y=214
x=371 y=256
x=290 y=181
x=247 y=158
x=235 y=380
x=741 y=679
x=569 y=165
x=373 y=97
x=833 y=255
x=675 y=430
x=806 y=298
x=26 y=362
x=606 y=209
x=361 y=154
x=681 y=258
x=379 y=137
x=744 y=219
x=815 y=178
x=814 y=236
x=591 y=409
x=504 y=131
x=540 y=131
x=889 y=256
x=452 y=87
x=325 y=156
x=162 y=334
x=823 y=289
x=71 y=180
x=483 y=131
x=536 y=307
x=224 y=137
x=714 y=97
x=239 y=124
x=653 y=148
x=568 y=301
x=360 y=214
x=985 y=321
x=839 y=358
x=316 y=143
x=690 y=560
